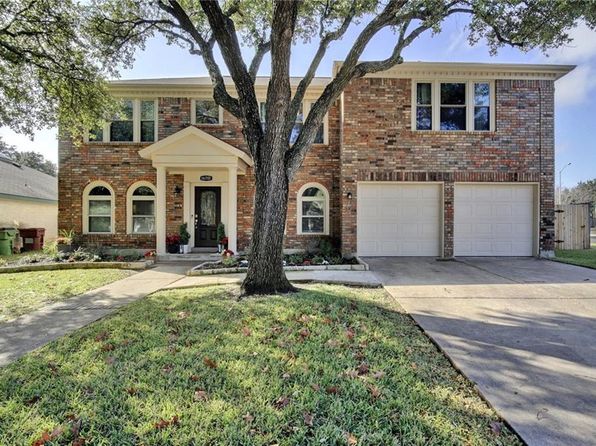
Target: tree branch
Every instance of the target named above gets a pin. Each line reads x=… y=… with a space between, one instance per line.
x=262 y=48
x=220 y=92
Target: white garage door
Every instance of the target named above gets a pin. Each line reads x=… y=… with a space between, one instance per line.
x=494 y=220
x=398 y=219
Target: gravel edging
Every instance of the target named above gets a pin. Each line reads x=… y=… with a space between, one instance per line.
x=137 y=266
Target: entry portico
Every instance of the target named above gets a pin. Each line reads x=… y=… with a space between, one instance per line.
x=210 y=168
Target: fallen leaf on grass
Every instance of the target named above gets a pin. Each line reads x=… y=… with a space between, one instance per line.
x=286 y=376
x=332 y=343
x=304 y=333
x=110 y=360
x=248 y=418
x=362 y=369
x=374 y=391
x=281 y=402
x=379 y=374
x=167 y=368
x=107 y=347
x=351 y=440
x=350 y=333
x=209 y=362
x=102 y=336
x=48 y=436
x=194 y=378
x=163 y=424
x=246 y=331
x=34 y=399
x=183 y=315
x=496 y=428
x=315 y=387
x=332 y=390
x=200 y=395
x=308 y=418
x=132 y=391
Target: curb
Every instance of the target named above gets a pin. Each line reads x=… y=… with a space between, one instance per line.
x=208 y=272
x=137 y=266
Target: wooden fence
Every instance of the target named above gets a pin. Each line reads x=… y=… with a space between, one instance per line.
x=572 y=226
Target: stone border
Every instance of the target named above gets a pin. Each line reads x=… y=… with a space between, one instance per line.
x=206 y=272
x=140 y=265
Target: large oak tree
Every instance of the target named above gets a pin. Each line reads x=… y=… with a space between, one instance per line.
x=117 y=28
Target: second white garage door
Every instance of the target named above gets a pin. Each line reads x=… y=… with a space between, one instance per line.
x=494 y=220
x=396 y=219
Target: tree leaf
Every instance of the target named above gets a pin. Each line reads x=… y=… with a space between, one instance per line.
x=308 y=418
x=209 y=362
x=281 y=402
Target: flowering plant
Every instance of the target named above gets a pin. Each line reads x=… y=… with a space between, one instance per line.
x=227 y=253
x=149 y=254
x=173 y=239
x=224 y=241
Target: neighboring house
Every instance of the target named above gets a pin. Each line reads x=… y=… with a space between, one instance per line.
x=425 y=159
x=28 y=198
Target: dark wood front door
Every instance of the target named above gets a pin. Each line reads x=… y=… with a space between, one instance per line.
x=207 y=215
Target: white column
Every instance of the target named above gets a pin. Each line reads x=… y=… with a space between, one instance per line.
x=232 y=207
x=160 y=211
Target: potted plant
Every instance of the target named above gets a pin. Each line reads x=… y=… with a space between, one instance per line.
x=221 y=234
x=65 y=240
x=173 y=243
x=184 y=238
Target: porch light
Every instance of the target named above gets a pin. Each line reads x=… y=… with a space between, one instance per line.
x=177 y=190
x=349 y=195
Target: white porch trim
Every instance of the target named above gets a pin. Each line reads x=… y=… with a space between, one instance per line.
x=194 y=153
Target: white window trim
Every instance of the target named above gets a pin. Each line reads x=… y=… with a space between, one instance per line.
x=87 y=197
x=193 y=112
x=306 y=106
x=436 y=104
x=136 y=124
x=129 y=200
x=299 y=200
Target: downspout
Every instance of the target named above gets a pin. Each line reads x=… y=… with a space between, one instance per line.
x=539 y=169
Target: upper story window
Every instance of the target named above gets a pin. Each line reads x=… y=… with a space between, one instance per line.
x=453 y=106
x=137 y=122
x=148 y=121
x=206 y=111
x=122 y=129
x=320 y=137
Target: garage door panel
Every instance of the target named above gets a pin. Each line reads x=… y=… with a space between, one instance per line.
x=404 y=220
x=493 y=220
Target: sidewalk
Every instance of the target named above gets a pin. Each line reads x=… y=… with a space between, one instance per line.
x=36 y=329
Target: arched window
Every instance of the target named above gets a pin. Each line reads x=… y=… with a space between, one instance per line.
x=98 y=208
x=313 y=209
x=141 y=208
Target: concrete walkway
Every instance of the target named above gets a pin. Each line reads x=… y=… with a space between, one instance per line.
x=523 y=330
x=36 y=329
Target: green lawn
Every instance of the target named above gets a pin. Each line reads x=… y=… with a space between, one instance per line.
x=21 y=293
x=581 y=257
x=327 y=366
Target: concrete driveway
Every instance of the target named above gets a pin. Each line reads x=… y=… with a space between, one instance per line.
x=524 y=330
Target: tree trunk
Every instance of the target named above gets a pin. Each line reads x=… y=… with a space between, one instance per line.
x=265 y=273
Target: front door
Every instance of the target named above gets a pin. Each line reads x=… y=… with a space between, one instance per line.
x=207 y=215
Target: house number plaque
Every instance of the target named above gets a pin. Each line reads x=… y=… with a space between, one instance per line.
x=206 y=177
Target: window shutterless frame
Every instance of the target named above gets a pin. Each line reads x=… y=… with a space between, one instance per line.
x=87 y=197
x=131 y=198
x=300 y=199
x=470 y=103
x=306 y=106
x=193 y=111
x=136 y=118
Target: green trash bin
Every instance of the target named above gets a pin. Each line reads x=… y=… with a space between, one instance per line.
x=7 y=236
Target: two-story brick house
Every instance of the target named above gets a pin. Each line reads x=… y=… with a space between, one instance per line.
x=425 y=159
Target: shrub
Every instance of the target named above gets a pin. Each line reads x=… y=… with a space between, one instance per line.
x=184 y=234
x=50 y=248
x=326 y=248
x=221 y=232
x=296 y=258
x=229 y=262
x=317 y=260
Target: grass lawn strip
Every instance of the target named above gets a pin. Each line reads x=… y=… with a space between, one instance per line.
x=330 y=365
x=581 y=257
x=22 y=293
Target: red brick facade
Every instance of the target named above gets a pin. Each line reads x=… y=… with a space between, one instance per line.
x=377 y=144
